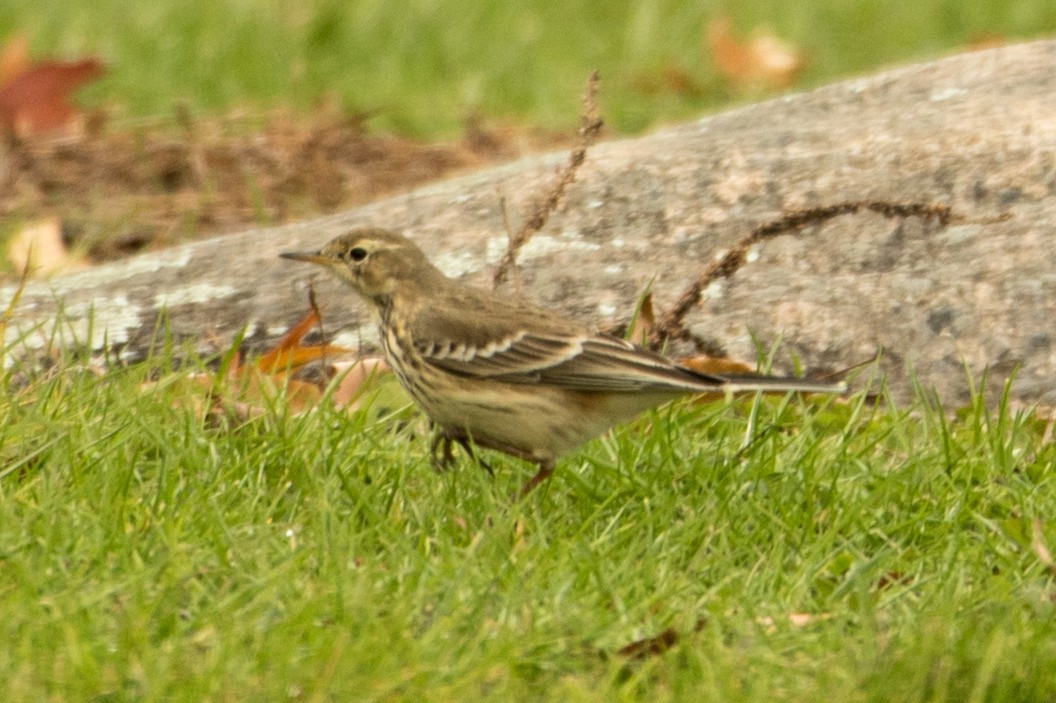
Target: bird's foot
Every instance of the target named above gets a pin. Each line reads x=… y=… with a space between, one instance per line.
x=546 y=470
x=443 y=457
x=440 y=452
x=468 y=447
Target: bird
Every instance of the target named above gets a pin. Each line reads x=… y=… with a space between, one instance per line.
x=502 y=373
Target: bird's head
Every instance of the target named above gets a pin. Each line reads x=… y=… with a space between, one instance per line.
x=377 y=263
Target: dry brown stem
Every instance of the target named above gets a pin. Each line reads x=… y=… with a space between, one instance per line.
x=672 y=323
x=589 y=128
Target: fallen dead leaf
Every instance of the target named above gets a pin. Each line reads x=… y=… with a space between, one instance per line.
x=715 y=365
x=1041 y=550
x=763 y=61
x=260 y=384
x=800 y=619
x=36 y=100
x=245 y=391
x=657 y=644
x=650 y=646
x=14 y=57
x=242 y=394
x=260 y=389
x=289 y=354
x=892 y=578
x=644 y=321
x=793 y=619
x=39 y=248
x=354 y=379
x=986 y=40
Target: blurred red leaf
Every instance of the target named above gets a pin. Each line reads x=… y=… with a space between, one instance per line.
x=36 y=98
x=763 y=61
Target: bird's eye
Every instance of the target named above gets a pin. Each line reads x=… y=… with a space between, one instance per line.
x=357 y=253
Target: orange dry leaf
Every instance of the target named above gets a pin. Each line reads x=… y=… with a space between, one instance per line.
x=247 y=390
x=764 y=61
x=288 y=354
x=36 y=99
x=642 y=328
x=715 y=365
x=268 y=374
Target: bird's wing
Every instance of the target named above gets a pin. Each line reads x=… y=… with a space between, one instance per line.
x=607 y=363
x=516 y=356
x=517 y=342
x=517 y=348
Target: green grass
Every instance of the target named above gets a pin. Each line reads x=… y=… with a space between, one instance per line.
x=423 y=65
x=148 y=555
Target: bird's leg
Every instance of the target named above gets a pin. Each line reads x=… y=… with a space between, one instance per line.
x=440 y=452
x=546 y=470
x=468 y=447
x=443 y=457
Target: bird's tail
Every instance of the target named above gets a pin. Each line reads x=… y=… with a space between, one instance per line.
x=747 y=383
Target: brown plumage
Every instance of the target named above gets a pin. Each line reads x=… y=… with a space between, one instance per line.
x=502 y=373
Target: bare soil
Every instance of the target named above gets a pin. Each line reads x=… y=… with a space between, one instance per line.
x=118 y=191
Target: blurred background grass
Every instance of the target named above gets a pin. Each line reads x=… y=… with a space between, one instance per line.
x=420 y=67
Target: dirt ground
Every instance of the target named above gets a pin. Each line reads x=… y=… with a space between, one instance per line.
x=120 y=190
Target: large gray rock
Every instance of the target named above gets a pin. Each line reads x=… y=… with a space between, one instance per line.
x=976 y=132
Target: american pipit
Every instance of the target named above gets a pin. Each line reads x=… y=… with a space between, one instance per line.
x=502 y=373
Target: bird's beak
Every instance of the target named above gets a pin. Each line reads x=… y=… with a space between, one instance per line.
x=312 y=257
